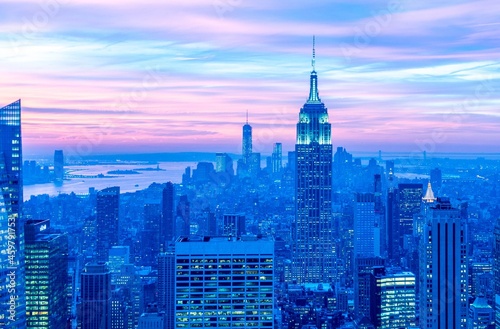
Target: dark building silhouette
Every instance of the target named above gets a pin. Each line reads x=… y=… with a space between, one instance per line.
x=234 y=225
x=107 y=216
x=46 y=276
x=277 y=158
x=150 y=242
x=183 y=216
x=313 y=256
x=167 y=227
x=95 y=290
x=11 y=223
x=58 y=165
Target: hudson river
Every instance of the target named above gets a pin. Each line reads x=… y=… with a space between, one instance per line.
x=172 y=171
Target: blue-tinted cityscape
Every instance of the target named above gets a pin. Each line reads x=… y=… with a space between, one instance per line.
x=270 y=235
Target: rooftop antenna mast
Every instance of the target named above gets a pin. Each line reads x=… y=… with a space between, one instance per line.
x=314 y=54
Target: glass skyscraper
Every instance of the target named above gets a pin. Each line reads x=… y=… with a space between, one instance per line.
x=107 y=216
x=12 y=291
x=313 y=246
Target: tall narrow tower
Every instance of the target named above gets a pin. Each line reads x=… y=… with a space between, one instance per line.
x=107 y=216
x=247 y=141
x=313 y=246
x=12 y=291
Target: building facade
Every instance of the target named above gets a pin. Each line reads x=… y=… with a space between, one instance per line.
x=221 y=282
x=107 y=217
x=12 y=291
x=95 y=290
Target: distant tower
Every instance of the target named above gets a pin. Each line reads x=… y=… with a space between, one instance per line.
x=46 y=276
x=247 y=142
x=167 y=227
x=408 y=204
x=95 y=293
x=11 y=223
x=389 y=168
x=443 y=268
x=277 y=158
x=107 y=216
x=150 y=244
x=58 y=165
x=313 y=249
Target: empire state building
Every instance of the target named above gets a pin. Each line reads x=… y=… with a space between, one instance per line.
x=313 y=248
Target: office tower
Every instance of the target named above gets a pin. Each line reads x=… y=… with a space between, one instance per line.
x=107 y=216
x=186 y=176
x=234 y=225
x=292 y=161
x=380 y=212
x=223 y=282
x=254 y=164
x=95 y=294
x=246 y=145
x=409 y=202
x=436 y=178
x=224 y=164
x=12 y=291
x=152 y=319
x=118 y=256
x=394 y=299
x=313 y=248
x=366 y=227
x=167 y=227
x=150 y=242
x=183 y=222
x=277 y=158
x=58 y=165
x=204 y=173
x=443 y=268
x=166 y=286
x=364 y=285
x=46 y=255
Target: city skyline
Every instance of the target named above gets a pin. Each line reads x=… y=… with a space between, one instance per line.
x=147 y=77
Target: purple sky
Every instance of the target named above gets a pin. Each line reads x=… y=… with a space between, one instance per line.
x=168 y=76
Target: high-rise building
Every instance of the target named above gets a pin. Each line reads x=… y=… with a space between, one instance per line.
x=107 y=217
x=166 y=286
x=443 y=268
x=409 y=203
x=364 y=285
x=223 y=282
x=224 y=164
x=12 y=291
x=277 y=158
x=95 y=312
x=313 y=249
x=183 y=221
x=366 y=227
x=46 y=276
x=167 y=227
x=394 y=299
x=389 y=168
x=246 y=147
x=481 y=314
x=233 y=225
x=150 y=244
x=58 y=165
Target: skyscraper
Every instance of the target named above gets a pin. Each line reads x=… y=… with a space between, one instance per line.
x=167 y=227
x=222 y=282
x=246 y=142
x=107 y=216
x=12 y=291
x=166 y=286
x=234 y=225
x=443 y=269
x=183 y=216
x=366 y=227
x=277 y=158
x=150 y=244
x=46 y=276
x=313 y=246
x=95 y=293
x=58 y=165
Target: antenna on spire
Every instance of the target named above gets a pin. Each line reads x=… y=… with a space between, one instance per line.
x=314 y=54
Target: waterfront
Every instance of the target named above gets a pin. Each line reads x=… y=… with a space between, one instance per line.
x=172 y=171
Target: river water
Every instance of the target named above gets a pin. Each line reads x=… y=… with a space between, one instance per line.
x=128 y=183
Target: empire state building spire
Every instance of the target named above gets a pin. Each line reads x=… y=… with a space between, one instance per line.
x=313 y=92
